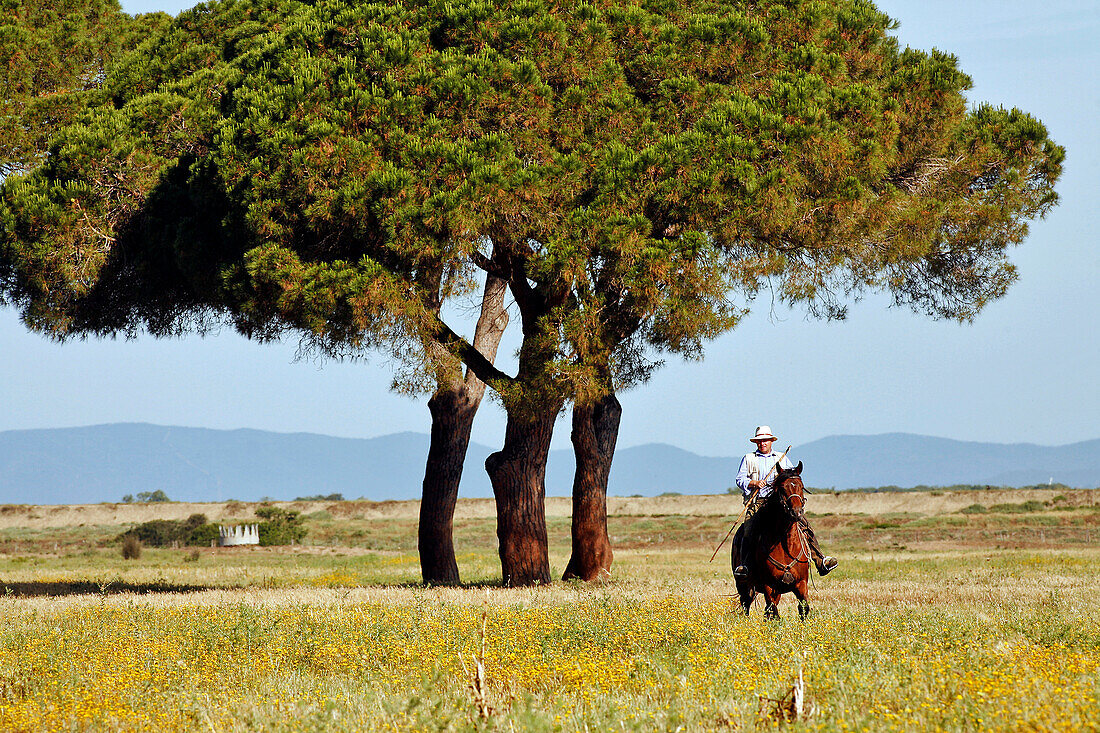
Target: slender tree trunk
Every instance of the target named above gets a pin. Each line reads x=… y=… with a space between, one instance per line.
x=518 y=474
x=595 y=432
x=452 y=419
x=453 y=407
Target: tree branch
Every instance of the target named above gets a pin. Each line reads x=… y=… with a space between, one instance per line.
x=488 y=265
x=485 y=370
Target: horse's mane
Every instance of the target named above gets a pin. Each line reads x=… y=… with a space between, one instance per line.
x=771 y=506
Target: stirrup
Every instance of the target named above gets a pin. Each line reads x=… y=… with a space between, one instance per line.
x=828 y=565
x=740 y=572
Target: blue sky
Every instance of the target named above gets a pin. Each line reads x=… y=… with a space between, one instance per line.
x=1026 y=371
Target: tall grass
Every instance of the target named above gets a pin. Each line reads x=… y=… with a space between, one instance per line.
x=898 y=643
x=957 y=635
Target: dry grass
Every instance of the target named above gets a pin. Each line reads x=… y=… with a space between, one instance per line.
x=982 y=632
x=29 y=516
x=904 y=642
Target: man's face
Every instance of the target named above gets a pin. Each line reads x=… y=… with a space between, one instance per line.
x=764 y=446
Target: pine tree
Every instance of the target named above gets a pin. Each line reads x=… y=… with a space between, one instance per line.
x=635 y=172
x=56 y=51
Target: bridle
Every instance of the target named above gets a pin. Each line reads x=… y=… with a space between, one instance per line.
x=789 y=498
x=795 y=512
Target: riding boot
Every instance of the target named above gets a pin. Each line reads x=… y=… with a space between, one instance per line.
x=825 y=563
x=742 y=570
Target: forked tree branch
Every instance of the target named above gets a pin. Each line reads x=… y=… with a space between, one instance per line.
x=471 y=357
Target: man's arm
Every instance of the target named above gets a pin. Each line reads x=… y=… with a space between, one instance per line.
x=743 y=477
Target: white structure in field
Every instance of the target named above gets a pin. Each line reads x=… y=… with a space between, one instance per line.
x=241 y=534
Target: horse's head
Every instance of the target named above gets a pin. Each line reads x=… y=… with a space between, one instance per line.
x=788 y=485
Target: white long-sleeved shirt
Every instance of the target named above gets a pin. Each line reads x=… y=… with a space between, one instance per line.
x=755 y=466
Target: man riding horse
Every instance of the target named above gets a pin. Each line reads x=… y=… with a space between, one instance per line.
x=756 y=475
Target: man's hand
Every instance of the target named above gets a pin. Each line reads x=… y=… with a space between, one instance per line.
x=756 y=484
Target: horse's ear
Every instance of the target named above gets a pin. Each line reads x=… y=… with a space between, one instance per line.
x=798 y=469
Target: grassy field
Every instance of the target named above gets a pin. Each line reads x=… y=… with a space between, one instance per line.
x=950 y=611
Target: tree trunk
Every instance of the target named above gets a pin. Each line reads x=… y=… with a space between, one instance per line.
x=453 y=407
x=452 y=419
x=595 y=432
x=518 y=474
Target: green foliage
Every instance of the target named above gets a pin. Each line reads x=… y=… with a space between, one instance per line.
x=637 y=173
x=56 y=53
x=280 y=526
x=321 y=497
x=194 y=530
x=152 y=497
x=203 y=535
x=1026 y=507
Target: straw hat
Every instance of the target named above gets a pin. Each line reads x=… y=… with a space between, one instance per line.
x=763 y=433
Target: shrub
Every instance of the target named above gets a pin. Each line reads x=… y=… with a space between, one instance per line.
x=974 y=509
x=203 y=535
x=280 y=526
x=194 y=530
x=322 y=497
x=156 y=532
x=1026 y=507
x=131 y=547
x=152 y=497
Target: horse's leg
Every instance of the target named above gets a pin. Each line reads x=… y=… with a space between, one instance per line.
x=748 y=594
x=771 y=609
x=801 y=591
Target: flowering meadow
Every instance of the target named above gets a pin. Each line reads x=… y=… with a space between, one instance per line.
x=623 y=656
x=959 y=640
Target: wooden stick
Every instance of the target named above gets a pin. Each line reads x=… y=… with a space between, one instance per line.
x=746 y=507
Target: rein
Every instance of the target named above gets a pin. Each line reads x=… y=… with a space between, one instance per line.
x=804 y=551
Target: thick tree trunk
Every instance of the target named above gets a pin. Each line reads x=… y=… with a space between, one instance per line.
x=453 y=407
x=452 y=419
x=518 y=474
x=595 y=431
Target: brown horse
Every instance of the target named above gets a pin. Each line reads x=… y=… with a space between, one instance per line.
x=777 y=554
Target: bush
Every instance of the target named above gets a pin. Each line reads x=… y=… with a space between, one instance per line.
x=194 y=530
x=156 y=532
x=322 y=497
x=152 y=497
x=131 y=547
x=280 y=526
x=1026 y=507
x=203 y=535
x=974 y=509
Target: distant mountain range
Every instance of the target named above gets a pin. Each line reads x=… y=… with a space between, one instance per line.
x=105 y=462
